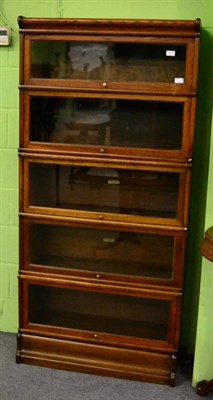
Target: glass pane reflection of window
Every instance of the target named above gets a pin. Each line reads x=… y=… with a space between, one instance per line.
x=112 y=62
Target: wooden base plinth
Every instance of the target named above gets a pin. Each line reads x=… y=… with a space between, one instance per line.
x=134 y=364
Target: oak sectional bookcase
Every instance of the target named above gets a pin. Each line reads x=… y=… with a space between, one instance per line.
x=107 y=112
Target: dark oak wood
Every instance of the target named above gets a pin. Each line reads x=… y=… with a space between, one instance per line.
x=105 y=156
x=175 y=34
x=180 y=149
x=90 y=358
x=204 y=387
x=155 y=255
x=114 y=26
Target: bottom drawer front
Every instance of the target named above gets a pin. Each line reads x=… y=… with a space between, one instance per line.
x=102 y=360
x=103 y=314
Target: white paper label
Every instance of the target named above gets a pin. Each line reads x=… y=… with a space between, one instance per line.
x=179 y=80
x=109 y=240
x=170 y=53
x=113 y=182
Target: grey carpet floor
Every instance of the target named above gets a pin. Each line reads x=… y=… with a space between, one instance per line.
x=24 y=382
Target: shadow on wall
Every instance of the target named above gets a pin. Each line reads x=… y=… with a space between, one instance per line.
x=198 y=194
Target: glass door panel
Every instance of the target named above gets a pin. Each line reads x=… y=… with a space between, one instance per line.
x=102 y=251
x=108 y=62
x=106 y=122
x=108 y=313
x=104 y=190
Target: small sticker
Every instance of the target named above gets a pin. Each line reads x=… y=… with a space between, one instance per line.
x=109 y=240
x=113 y=182
x=179 y=80
x=170 y=53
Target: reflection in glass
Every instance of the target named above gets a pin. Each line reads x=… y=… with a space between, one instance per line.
x=99 y=312
x=108 y=190
x=112 y=62
x=113 y=252
x=106 y=122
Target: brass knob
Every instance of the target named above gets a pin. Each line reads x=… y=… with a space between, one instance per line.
x=100 y=216
x=102 y=150
x=96 y=336
x=104 y=84
x=98 y=276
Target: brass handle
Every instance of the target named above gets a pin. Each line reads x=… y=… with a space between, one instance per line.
x=104 y=84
